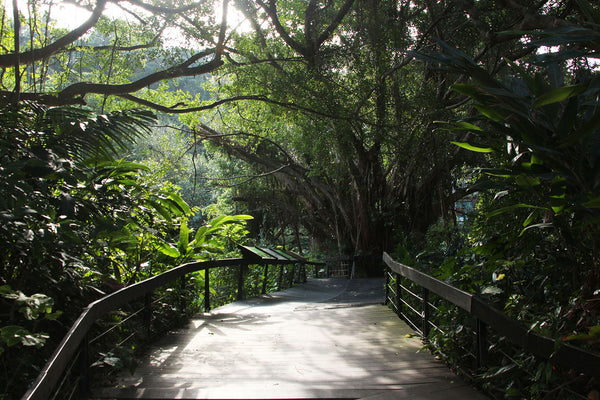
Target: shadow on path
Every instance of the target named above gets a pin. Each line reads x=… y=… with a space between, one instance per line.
x=328 y=338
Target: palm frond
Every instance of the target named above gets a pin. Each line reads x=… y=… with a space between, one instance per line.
x=84 y=134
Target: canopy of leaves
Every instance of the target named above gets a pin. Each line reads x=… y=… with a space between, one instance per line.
x=326 y=117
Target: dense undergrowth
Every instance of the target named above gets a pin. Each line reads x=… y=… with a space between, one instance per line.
x=78 y=223
x=531 y=245
x=524 y=286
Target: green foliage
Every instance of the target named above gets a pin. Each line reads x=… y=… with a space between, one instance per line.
x=77 y=223
x=55 y=191
x=31 y=308
x=339 y=130
x=547 y=140
x=532 y=251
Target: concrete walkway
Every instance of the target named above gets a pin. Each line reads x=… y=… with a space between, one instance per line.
x=328 y=338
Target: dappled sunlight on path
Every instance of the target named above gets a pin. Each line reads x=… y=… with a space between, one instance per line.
x=325 y=339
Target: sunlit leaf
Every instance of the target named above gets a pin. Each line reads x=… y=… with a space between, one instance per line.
x=530 y=218
x=513 y=207
x=490 y=112
x=184 y=237
x=167 y=249
x=471 y=147
x=543 y=225
x=559 y=94
x=493 y=290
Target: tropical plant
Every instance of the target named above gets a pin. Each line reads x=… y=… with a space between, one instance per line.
x=50 y=206
x=535 y=244
x=78 y=223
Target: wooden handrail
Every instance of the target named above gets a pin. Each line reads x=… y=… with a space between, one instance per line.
x=562 y=353
x=66 y=350
x=50 y=375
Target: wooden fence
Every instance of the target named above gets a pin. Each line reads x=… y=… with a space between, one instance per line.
x=486 y=317
x=72 y=354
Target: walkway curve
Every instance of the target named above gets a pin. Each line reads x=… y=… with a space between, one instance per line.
x=328 y=338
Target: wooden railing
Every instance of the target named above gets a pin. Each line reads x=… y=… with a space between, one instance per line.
x=486 y=317
x=75 y=343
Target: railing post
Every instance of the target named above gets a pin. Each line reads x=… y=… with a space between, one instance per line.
x=206 y=290
x=265 y=276
x=399 y=295
x=84 y=368
x=148 y=312
x=240 y=288
x=481 y=338
x=386 y=271
x=425 y=320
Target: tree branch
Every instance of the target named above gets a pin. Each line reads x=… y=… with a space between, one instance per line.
x=82 y=88
x=271 y=10
x=175 y=110
x=247 y=178
x=336 y=21
x=118 y=48
x=17 y=56
x=75 y=93
x=318 y=196
x=207 y=133
x=223 y=30
x=264 y=99
x=31 y=56
x=164 y=10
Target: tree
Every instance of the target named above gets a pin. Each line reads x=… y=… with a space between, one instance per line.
x=53 y=51
x=347 y=127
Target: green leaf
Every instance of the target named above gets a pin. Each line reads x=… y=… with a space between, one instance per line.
x=112 y=361
x=5 y=289
x=466 y=89
x=557 y=203
x=593 y=203
x=527 y=181
x=530 y=218
x=181 y=204
x=158 y=207
x=184 y=238
x=493 y=290
x=590 y=12
x=53 y=315
x=470 y=147
x=469 y=126
x=513 y=207
x=500 y=371
x=490 y=112
x=35 y=340
x=12 y=334
x=536 y=226
x=458 y=126
x=167 y=249
x=559 y=94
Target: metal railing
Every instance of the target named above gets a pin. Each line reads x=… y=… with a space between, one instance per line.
x=66 y=374
x=486 y=319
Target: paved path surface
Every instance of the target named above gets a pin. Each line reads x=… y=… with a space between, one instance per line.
x=326 y=339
